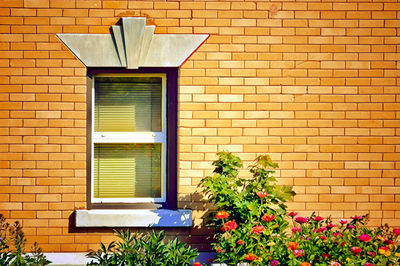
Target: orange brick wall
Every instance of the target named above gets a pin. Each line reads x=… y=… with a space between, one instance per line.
x=314 y=84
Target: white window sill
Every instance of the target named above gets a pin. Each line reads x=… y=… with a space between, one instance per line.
x=133 y=218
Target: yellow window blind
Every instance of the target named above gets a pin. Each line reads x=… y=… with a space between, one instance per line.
x=128 y=104
x=127 y=170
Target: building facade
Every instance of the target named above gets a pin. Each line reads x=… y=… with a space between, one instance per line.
x=314 y=84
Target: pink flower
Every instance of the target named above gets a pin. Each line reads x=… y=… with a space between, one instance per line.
x=356 y=217
x=322 y=237
x=258 y=229
x=396 y=231
x=231 y=225
x=321 y=229
x=369 y=264
x=334 y=263
x=317 y=218
x=274 y=263
x=371 y=253
x=337 y=234
x=292 y=214
x=343 y=221
x=262 y=194
x=364 y=238
x=301 y=220
x=356 y=250
x=298 y=253
x=268 y=218
x=330 y=225
x=296 y=229
x=351 y=226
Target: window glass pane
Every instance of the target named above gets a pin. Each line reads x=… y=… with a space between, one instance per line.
x=127 y=170
x=127 y=104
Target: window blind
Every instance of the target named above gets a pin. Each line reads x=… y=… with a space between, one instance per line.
x=128 y=104
x=127 y=170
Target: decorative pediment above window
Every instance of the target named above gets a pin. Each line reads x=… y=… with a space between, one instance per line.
x=132 y=45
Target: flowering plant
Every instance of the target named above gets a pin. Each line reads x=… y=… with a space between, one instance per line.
x=251 y=224
x=250 y=213
x=322 y=241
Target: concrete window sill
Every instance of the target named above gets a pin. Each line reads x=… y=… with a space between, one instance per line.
x=133 y=218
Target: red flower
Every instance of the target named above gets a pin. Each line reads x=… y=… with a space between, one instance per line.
x=197 y=264
x=258 y=229
x=396 y=231
x=364 y=238
x=298 y=253
x=222 y=215
x=343 y=221
x=322 y=237
x=304 y=263
x=250 y=257
x=292 y=214
x=231 y=225
x=268 y=218
x=301 y=220
x=321 y=229
x=356 y=217
x=356 y=250
x=240 y=242
x=219 y=250
x=262 y=194
x=388 y=242
x=318 y=218
x=325 y=255
x=296 y=229
x=292 y=246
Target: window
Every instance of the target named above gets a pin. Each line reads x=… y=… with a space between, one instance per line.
x=133 y=139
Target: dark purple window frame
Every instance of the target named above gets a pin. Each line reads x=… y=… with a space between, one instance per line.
x=172 y=115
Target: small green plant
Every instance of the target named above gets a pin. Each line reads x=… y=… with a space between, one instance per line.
x=250 y=213
x=12 y=246
x=137 y=249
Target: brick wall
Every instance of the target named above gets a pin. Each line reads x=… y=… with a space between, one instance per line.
x=314 y=84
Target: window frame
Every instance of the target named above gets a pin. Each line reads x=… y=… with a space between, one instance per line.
x=169 y=201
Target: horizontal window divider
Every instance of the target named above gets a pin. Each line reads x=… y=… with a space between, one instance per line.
x=158 y=137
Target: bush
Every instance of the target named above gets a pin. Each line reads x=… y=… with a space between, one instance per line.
x=251 y=224
x=12 y=246
x=137 y=249
x=250 y=215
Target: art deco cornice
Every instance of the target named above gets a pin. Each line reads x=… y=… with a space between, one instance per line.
x=133 y=44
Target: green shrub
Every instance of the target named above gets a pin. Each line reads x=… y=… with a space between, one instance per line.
x=251 y=213
x=12 y=246
x=136 y=249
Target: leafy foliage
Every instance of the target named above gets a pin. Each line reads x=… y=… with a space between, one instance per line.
x=137 y=249
x=12 y=246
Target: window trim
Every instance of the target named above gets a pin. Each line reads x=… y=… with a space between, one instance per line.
x=132 y=138
x=171 y=138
